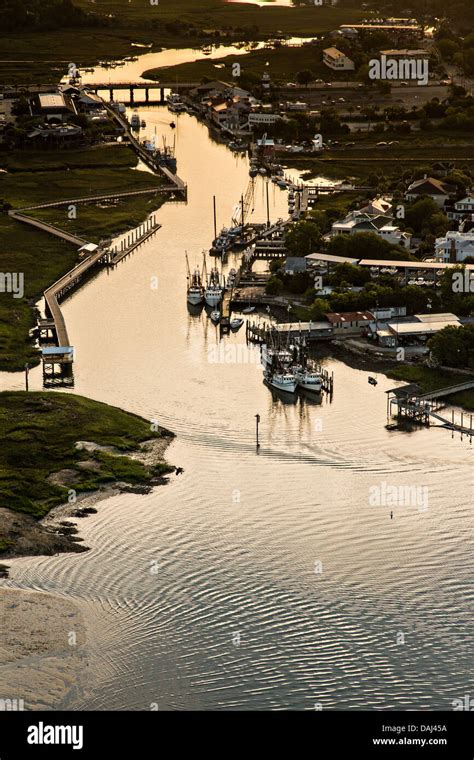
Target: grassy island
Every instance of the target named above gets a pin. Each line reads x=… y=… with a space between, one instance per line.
x=54 y=446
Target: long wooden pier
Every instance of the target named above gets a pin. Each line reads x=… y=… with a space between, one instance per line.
x=45 y=227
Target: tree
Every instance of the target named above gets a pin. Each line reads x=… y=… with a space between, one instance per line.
x=453 y=346
x=305 y=77
x=318 y=309
x=274 y=286
x=303 y=238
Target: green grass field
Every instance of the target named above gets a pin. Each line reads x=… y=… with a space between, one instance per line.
x=45 y=176
x=38 y=432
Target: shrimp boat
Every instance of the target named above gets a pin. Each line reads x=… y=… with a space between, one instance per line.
x=307 y=379
x=270 y=355
x=175 y=104
x=195 y=293
x=281 y=380
x=214 y=290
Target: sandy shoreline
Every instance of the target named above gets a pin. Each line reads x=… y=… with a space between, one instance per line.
x=42 y=650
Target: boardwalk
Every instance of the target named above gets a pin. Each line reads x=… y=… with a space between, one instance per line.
x=45 y=227
x=103 y=197
x=61 y=286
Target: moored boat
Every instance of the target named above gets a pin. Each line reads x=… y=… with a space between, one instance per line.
x=281 y=380
x=135 y=120
x=195 y=293
x=307 y=379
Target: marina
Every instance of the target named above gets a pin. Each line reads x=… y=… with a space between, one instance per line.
x=281 y=584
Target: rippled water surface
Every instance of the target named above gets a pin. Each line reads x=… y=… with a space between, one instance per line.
x=278 y=585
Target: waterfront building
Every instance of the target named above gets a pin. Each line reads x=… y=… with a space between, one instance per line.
x=350 y=322
x=257 y=118
x=53 y=106
x=336 y=60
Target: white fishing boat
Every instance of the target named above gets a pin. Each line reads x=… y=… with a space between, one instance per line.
x=282 y=380
x=307 y=379
x=214 y=289
x=270 y=356
x=215 y=315
x=195 y=293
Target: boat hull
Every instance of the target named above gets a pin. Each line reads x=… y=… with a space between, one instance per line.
x=195 y=298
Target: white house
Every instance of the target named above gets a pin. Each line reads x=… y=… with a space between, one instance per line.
x=257 y=118
x=336 y=60
x=380 y=224
x=430 y=187
x=454 y=246
x=462 y=208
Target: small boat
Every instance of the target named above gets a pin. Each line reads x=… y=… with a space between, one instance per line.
x=135 y=120
x=282 y=381
x=143 y=123
x=236 y=324
x=215 y=315
x=253 y=171
x=262 y=170
x=372 y=380
x=248 y=310
x=172 y=125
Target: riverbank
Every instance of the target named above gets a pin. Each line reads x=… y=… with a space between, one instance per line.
x=29 y=56
x=59 y=455
x=34 y=177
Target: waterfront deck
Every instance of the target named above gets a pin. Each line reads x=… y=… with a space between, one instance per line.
x=421 y=408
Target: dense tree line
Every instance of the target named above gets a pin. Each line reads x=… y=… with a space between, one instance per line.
x=41 y=15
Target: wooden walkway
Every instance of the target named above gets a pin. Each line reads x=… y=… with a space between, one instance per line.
x=45 y=227
x=104 y=197
x=60 y=287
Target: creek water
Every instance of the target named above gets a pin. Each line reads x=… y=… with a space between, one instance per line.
x=266 y=580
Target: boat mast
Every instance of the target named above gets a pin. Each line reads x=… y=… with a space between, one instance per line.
x=215 y=217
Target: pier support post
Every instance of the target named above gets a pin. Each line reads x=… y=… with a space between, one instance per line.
x=147 y=95
x=111 y=94
x=131 y=95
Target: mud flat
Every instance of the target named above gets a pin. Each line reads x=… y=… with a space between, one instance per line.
x=42 y=650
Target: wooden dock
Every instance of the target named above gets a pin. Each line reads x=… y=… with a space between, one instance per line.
x=422 y=408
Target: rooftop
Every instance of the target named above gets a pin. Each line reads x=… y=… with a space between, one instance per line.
x=349 y=316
